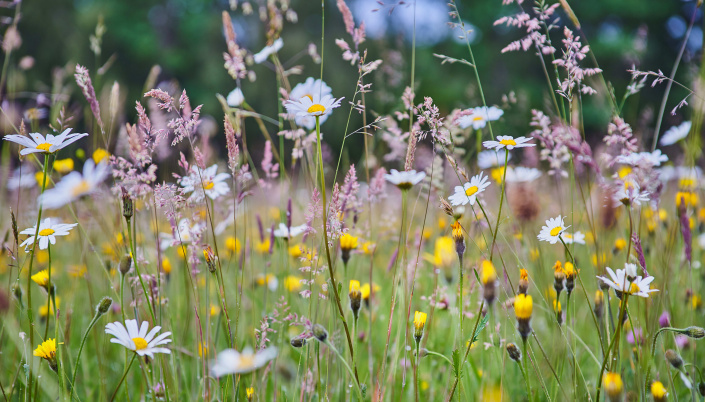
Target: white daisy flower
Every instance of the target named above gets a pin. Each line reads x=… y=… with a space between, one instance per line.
x=208 y=182
x=638 y=158
x=310 y=88
x=235 y=97
x=48 y=230
x=629 y=194
x=469 y=191
x=575 y=237
x=138 y=340
x=38 y=143
x=268 y=51
x=509 y=142
x=25 y=180
x=619 y=281
x=231 y=361
x=668 y=173
x=480 y=116
x=406 y=179
x=675 y=134
x=488 y=159
x=288 y=233
x=184 y=234
x=75 y=185
x=553 y=229
x=521 y=174
x=314 y=106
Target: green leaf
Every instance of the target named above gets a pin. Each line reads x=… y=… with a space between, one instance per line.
x=480 y=327
x=457 y=363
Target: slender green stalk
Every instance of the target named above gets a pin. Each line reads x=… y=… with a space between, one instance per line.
x=80 y=350
x=347 y=366
x=467 y=350
x=501 y=201
x=525 y=370
x=133 y=251
x=615 y=339
x=122 y=379
x=334 y=283
x=30 y=315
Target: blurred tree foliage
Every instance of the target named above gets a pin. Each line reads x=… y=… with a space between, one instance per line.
x=185 y=38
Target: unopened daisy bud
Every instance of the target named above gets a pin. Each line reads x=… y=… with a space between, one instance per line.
x=47 y=351
x=210 y=258
x=658 y=391
x=250 y=392
x=457 y=232
x=570 y=272
x=559 y=312
x=523 y=281
x=347 y=244
x=613 y=386
x=298 y=342
x=320 y=332
x=104 y=306
x=419 y=323
x=523 y=308
x=125 y=264
x=514 y=352
x=630 y=270
x=599 y=304
x=701 y=388
x=423 y=352
x=488 y=277
x=558 y=278
x=355 y=297
x=695 y=332
x=128 y=209
x=675 y=359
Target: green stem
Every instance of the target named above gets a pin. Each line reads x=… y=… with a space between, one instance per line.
x=501 y=201
x=80 y=350
x=615 y=338
x=112 y=398
x=347 y=366
x=334 y=283
x=137 y=269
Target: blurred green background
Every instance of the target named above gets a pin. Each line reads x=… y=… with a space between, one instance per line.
x=185 y=38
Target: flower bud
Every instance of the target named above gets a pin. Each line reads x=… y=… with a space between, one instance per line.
x=558 y=278
x=128 y=209
x=658 y=391
x=559 y=312
x=210 y=258
x=695 y=332
x=514 y=352
x=298 y=342
x=599 y=304
x=103 y=306
x=125 y=264
x=523 y=308
x=523 y=281
x=673 y=358
x=570 y=273
x=613 y=386
x=320 y=332
x=355 y=297
x=423 y=352
x=17 y=291
x=419 y=324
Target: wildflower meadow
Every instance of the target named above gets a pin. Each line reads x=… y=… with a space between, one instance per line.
x=322 y=229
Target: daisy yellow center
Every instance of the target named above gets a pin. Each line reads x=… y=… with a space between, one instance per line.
x=47 y=232
x=247 y=361
x=317 y=108
x=477 y=118
x=508 y=142
x=556 y=231
x=140 y=343
x=634 y=288
x=81 y=188
x=207 y=185
x=44 y=147
x=471 y=190
x=308 y=96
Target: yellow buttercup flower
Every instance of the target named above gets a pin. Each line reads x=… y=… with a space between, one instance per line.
x=487 y=272
x=100 y=155
x=444 y=252
x=41 y=278
x=497 y=174
x=233 y=245
x=39 y=177
x=166 y=265
x=47 y=351
x=658 y=391
x=419 y=323
x=688 y=198
x=523 y=306
x=296 y=250
x=292 y=283
x=620 y=244
x=215 y=310
x=348 y=242
x=63 y=166
x=250 y=393
x=613 y=385
x=262 y=247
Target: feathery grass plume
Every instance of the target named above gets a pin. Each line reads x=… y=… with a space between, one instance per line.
x=83 y=79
